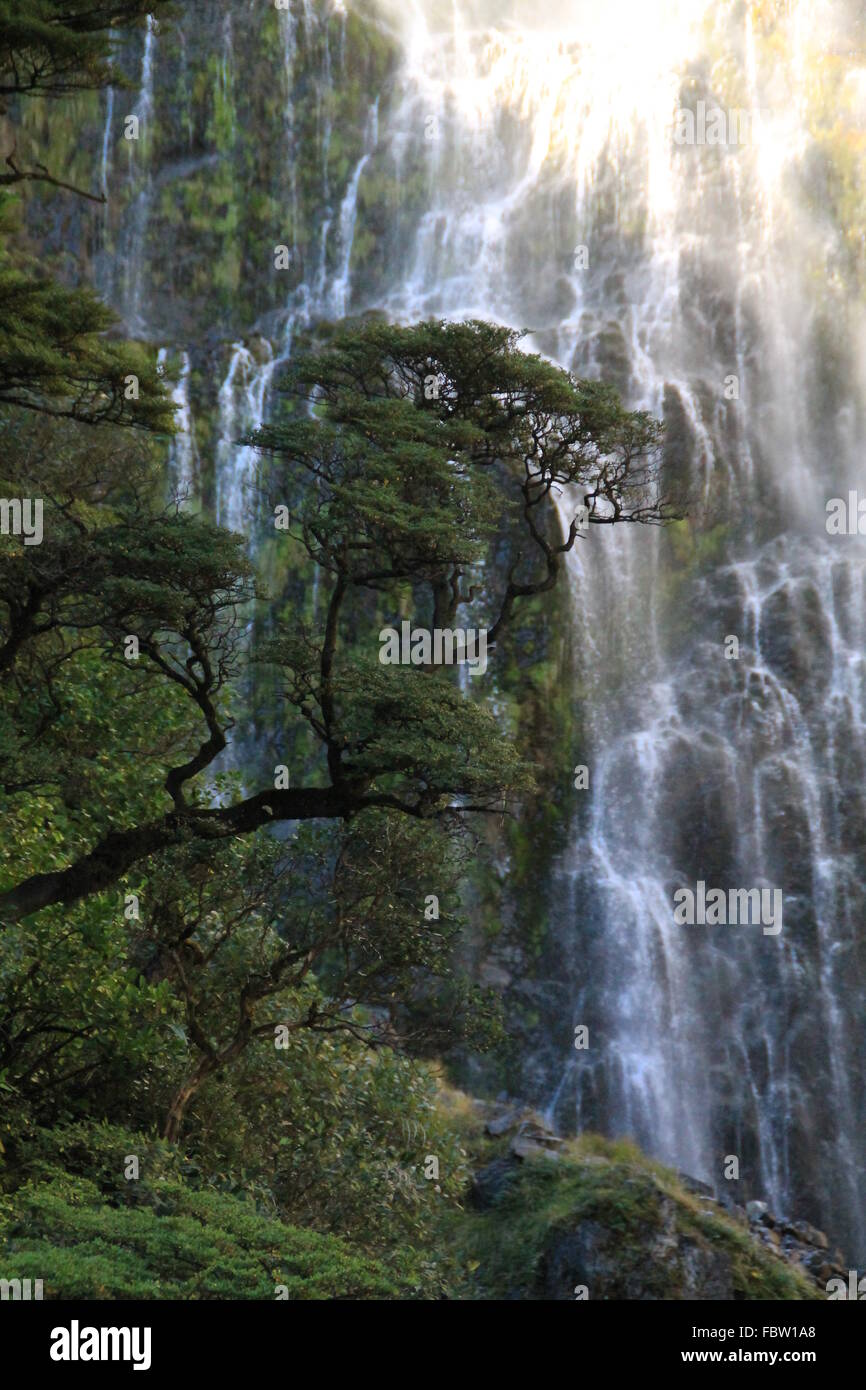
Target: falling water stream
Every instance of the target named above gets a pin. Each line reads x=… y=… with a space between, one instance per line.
x=702 y=279
x=694 y=277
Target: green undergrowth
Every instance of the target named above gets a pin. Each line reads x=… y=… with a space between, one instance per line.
x=179 y=1243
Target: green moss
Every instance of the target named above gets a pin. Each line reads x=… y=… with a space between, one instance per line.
x=614 y=1186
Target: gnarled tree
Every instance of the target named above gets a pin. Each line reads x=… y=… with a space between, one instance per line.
x=394 y=456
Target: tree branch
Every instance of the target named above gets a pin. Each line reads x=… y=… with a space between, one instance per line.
x=41 y=175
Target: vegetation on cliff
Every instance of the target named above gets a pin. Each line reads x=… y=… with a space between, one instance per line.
x=215 y=1000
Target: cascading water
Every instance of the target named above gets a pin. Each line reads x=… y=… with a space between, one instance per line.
x=337 y=301
x=241 y=408
x=536 y=180
x=690 y=274
x=182 y=459
x=244 y=394
x=139 y=175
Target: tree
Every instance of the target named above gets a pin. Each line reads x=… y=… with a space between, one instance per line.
x=55 y=359
x=394 y=494
x=327 y=937
x=55 y=356
x=54 y=48
x=114 y=562
x=245 y=945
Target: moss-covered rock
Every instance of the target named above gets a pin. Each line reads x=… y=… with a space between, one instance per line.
x=550 y=1218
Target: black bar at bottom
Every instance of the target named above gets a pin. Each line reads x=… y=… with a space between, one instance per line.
x=209 y=1338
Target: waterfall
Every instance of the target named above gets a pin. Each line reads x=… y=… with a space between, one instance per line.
x=103 y=269
x=288 y=28
x=244 y=394
x=242 y=400
x=105 y=165
x=140 y=179
x=691 y=276
x=338 y=299
x=182 y=457
x=535 y=176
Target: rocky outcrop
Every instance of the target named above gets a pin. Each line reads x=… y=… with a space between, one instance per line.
x=797 y=1242
x=589 y=1261
x=587 y=1218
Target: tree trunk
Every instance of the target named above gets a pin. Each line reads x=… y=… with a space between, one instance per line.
x=182 y=1097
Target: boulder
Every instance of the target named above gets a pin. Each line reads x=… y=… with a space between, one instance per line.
x=502 y=1122
x=525 y=1146
x=808 y=1235
x=534 y=1137
x=490 y=1182
x=671 y=1265
x=700 y=1189
x=758 y=1213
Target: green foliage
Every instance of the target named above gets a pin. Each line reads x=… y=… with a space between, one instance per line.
x=54 y=359
x=50 y=47
x=112 y=563
x=101 y=1016
x=410 y=729
x=80 y=1029
x=172 y=1242
x=339 y=1137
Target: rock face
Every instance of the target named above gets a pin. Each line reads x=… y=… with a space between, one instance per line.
x=591 y=1257
x=491 y=1181
x=798 y=1243
x=600 y=1221
x=529 y=1134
